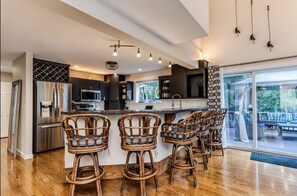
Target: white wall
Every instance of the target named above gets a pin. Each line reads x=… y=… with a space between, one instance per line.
x=6 y=77
x=223 y=47
x=5 y=107
x=23 y=70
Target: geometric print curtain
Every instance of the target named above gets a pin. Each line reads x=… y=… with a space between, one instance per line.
x=214 y=87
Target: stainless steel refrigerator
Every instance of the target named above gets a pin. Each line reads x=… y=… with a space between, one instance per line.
x=50 y=99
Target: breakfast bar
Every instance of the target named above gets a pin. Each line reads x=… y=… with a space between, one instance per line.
x=114 y=157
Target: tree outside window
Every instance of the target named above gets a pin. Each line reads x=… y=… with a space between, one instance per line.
x=147 y=91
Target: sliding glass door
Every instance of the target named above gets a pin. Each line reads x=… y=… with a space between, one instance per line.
x=238 y=101
x=276 y=94
x=275 y=111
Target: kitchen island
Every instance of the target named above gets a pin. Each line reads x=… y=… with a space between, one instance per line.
x=114 y=157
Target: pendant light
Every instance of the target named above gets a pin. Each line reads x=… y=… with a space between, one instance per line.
x=138 y=53
x=169 y=65
x=160 y=60
x=150 y=57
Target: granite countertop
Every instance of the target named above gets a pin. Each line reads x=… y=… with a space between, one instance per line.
x=120 y=112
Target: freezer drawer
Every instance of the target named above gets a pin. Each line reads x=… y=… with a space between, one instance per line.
x=48 y=137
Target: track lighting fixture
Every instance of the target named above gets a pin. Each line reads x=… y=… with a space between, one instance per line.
x=138 y=53
x=150 y=57
x=160 y=60
x=115 y=53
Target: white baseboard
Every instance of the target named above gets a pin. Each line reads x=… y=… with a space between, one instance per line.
x=23 y=156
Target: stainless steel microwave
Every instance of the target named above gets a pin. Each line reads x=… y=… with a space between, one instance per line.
x=90 y=95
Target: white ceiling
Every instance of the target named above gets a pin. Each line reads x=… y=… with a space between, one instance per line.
x=64 y=34
x=166 y=19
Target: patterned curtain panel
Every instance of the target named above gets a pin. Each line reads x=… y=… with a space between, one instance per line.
x=214 y=87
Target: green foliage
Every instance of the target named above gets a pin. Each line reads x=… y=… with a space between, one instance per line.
x=148 y=91
x=268 y=100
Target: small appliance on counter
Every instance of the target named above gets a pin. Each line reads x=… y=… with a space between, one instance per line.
x=85 y=106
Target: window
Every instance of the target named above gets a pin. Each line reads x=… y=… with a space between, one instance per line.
x=147 y=91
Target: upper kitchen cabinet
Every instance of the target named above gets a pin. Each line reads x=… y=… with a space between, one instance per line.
x=104 y=88
x=178 y=81
x=197 y=81
x=114 y=79
x=126 y=90
x=75 y=88
x=89 y=84
x=164 y=87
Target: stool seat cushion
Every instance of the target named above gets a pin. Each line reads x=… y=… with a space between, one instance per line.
x=91 y=141
x=176 y=135
x=136 y=141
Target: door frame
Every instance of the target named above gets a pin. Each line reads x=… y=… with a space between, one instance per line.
x=254 y=147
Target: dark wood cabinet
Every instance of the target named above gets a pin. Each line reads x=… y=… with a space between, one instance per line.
x=189 y=83
x=89 y=84
x=79 y=83
x=164 y=87
x=126 y=90
x=104 y=88
x=114 y=101
x=178 y=81
x=75 y=88
x=197 y=81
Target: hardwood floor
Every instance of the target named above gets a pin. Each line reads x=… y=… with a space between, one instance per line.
x=233 y=174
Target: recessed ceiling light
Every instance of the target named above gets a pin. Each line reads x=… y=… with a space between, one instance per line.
x=75 y=66
x=139 y=69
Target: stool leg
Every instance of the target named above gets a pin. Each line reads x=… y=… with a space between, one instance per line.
x=191 y=156
x=74 y=172
x=153 y=166
x=210 y=141
x=97 y=172
x=173 y=159
x=126 y=169
x=204 y=156
x=141 y=172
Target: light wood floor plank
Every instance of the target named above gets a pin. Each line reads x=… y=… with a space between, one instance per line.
x=233 y=174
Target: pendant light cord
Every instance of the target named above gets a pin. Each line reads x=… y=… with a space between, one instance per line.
x=269 y=44
x=236 y=13
x=252 y=37
x=268 y=9
x=236 y=19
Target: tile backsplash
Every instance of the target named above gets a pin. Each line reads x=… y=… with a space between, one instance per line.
x=167 y=103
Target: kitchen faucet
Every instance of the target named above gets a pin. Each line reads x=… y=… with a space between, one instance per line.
x=180 y=101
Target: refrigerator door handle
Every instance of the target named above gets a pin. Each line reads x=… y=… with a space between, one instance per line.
x=51 y=125
x=56 y=101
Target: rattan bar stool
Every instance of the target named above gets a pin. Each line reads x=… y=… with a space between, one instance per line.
x=215 y=130
x=139 y=135
x=87 y=134
x=203 y=135
x=182 y=134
